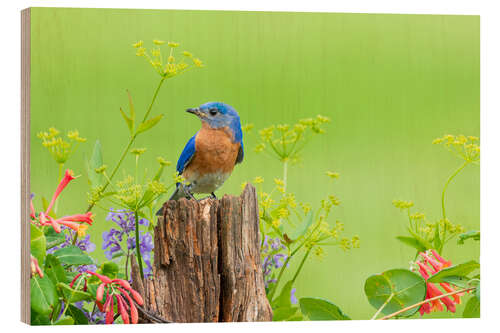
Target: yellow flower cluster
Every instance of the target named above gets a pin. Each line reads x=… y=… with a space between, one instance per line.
x=59 y=148
x=166 y=63
x=465 y=147
x=138 y=151
x=401 y=204
x=285 y=141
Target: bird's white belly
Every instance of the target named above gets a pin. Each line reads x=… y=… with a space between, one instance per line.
x=207 y=183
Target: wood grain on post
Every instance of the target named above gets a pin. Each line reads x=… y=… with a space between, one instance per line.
x=207 y=265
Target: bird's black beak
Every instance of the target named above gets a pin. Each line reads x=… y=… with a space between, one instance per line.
x=195 y=111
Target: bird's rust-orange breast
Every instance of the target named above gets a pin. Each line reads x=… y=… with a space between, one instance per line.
x=215 y=152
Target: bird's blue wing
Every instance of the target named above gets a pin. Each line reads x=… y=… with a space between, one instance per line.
x=186 y=155
x=241 y=153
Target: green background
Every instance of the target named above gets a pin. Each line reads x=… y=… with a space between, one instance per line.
x=390 y=84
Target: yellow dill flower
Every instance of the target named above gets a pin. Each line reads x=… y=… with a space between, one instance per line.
x=247 y=127
x=437 y=141
x=333 y=175
x=173 y=44
x=306 y=208
x=355 y=241
x=156 y=52
x=141 y=51
x=171 y=59
x=258 y=180
x=197 y=62
x=319 y=252
x=138 y=151
x=138 y=44
x=187 y=54
x=279 y=182
x=159 y=42
x=157 y=187
x=283 y=213
x=101 y=169
x=260 y=148
x=243 y=185
x=402 y=204
x=163 y=161
x=276 y=223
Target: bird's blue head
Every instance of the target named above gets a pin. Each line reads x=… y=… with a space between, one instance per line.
x=219 y=115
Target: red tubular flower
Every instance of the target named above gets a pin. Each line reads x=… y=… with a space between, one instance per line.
x=32 y=210
x=68 y=176
x=35 y=268
x=124 y=295
x=109 y=311
x=68 y=221
x=87 y=217
x=429 y=264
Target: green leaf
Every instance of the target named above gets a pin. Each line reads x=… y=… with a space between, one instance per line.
x=302 y=229
x=53 y=238
x=149 y=124
x=128 y=120
x=284 y=299
x=38 y=245
x=472 y=308
x=321 y=309
x=73 y=255
x=72 y=295
x=475 y=235
x=284 y=313
x=95 y=162
x=422 y=241
x=54 y=269
x=43 y=294
x=77 y=314
x=413 y=242
x=458 y=281
x=39 y=319
x=457 y=270
x=131 y=107
x=110 y=269
x=405 y=286
x=66 y=320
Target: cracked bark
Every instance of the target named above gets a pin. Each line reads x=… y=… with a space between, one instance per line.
x=207 y=264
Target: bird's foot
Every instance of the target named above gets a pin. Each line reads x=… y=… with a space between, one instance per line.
x=190 y=195
x=211 y=196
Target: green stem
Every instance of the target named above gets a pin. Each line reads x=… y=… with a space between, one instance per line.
x=301 y=264
x=446 y=186
x=382 y=307
x=153 y=100
x=137 y=245
x=285 y=174
x=125 y=151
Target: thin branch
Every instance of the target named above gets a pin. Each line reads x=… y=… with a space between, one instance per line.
x=382 y=307
x=426 y=301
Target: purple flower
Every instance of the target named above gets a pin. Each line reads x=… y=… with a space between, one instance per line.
x=272 y=258
x=293 y=299
x=113 y=238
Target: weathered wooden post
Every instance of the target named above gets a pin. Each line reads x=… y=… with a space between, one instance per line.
x=207 y=265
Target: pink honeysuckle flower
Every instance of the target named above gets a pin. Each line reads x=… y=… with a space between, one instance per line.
x=68 y=176
x=119 y=290
x=69 y=221
x=429 y=264
x=35 y=268
x=32 y=210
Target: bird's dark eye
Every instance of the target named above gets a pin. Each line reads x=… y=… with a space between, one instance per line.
x=213 y=111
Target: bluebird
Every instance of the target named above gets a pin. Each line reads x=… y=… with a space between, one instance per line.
x=209 y=157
